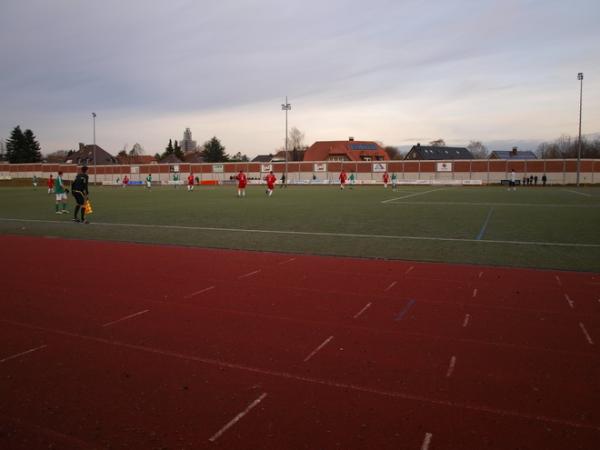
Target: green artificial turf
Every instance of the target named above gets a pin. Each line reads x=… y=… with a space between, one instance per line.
x=524 y=228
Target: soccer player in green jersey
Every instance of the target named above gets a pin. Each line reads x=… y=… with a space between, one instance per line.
x=61 y=194
x=394 y=181
x=149 y=181
x=176 y=179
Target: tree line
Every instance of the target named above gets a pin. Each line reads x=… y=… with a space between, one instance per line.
x=22 y=147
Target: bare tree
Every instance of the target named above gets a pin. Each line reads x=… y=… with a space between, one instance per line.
x=567 y=147
x=438 y=143
x=296 y=139
x=392 y=152
x=136 y=150
x=58 y=156
x=478 y=150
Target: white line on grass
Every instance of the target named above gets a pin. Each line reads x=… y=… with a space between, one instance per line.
x=451 y=367
x=426 y=441
x=411 y=195
x=390 y=286
x=237 y=418
x=8 y=358
x=466 y=321
x=569 y=301
x=362 y=310
x=130 y=316
x=485 y=224
x=527 y=205
x=249 y=274
x=199 y=292
x=314 y=352
x=578 y=193
x=585 y=332
x=311 y=233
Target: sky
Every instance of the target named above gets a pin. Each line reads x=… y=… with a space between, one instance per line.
x=393 y=71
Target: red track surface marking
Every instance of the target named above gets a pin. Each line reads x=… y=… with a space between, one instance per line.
x=22 y=353
x=249 y=274
x=409 y=270
x=362 y=311
x=238 y=417
x=286 y=261
x=130 y=316
x=569 y=301
x=451 y=367
x=314 y=352
x=474 y=292
x=466 y=321
x=390 y=286
x=558 y=280
x=585 y=332
x=201 y=291
x=426 y=441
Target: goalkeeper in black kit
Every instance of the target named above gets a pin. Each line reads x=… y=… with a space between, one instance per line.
x=79 y=189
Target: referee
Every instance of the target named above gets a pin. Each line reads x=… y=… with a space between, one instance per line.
x=79 y=189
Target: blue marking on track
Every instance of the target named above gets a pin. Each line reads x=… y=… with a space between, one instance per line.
x=406 y=308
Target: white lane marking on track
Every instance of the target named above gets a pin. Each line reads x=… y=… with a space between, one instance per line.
x=201 y=291
x=480 y=275
x=558 y=280
x=426 y=441
x=585 y=332
x=8 y=358
x=390 y=286
x=412 y=195
x=249 y=274
x=466 y=321
x=569 y=301
x=474 y=292
x=237 y=418
x=362 y=310
x=313 y=233
x=314 y=352
x=451 y=367
x=286 y=261
x=409 y=270
x=126 y=317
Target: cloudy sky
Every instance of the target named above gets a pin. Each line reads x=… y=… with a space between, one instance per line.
x=394 y=71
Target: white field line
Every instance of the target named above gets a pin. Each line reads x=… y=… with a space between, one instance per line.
x=569 y=301
x=367 y=306
x=474 y=292
x=130 y=316
x=412 y=195
x=578 y=193
x=249 y=274
x=312 y=233
x=558 y=280
x=237 y=418
x=409 y=270
x=426 y=441
x=585 y=332
x=451 y=367
x=466 y=321
x=527 y=205
x=390 y=286
x=201 y=291
x=8 y=358
x=314 y=352
x=286 y=261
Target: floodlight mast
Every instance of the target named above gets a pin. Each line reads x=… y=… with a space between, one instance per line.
x=286 y=107
x=580 y=78
x=94 y=140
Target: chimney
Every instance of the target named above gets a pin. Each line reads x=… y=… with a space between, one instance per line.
x=514 y=151
x=351 y=138
x=418 y=144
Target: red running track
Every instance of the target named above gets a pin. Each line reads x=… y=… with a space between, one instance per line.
x=158 y=347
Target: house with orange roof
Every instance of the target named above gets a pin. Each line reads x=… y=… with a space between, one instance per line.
x=349 y=150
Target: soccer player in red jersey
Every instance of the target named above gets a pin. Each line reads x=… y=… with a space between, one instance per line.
x=271 y=179
x=386 y=179
x=125 y=181
x=190 y=179
x=242 y=181
x=343 y=178
x=50 y=184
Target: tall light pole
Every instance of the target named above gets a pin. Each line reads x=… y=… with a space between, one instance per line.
x=94 y=131
x=580 y=78
x=286 y=107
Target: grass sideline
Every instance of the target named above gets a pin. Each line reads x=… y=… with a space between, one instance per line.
x=551 y=227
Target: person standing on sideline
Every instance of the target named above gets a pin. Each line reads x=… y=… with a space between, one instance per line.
x=386 y=179
x=125 y=181
x=79 y=189
x=512 y=183
x=343 y=177
x=271 y=179
x=149 y=181
x=61 y=195
x=50 y=184
x=283 y=181
x=242 y=181
x=544 y=179
x=190 y=179
x=35 y=181
x=394 y=181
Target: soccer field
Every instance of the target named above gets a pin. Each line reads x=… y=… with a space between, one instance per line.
x=548 y=227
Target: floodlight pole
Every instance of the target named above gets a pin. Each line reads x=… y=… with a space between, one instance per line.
x=286 y=107
x=580 y=78
x=94 y=135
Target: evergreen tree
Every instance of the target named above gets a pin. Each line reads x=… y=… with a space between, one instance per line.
x=16 y=146
x=33 y=150
x=177 y=151
x=169 y=148
x=214 y=151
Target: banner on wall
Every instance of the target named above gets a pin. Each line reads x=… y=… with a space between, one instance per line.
x=320 y=167
x=135 y=169
x=266 y=167
x=218 y=168
x=174 y=168
x=443 y=167
x=379 y=167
